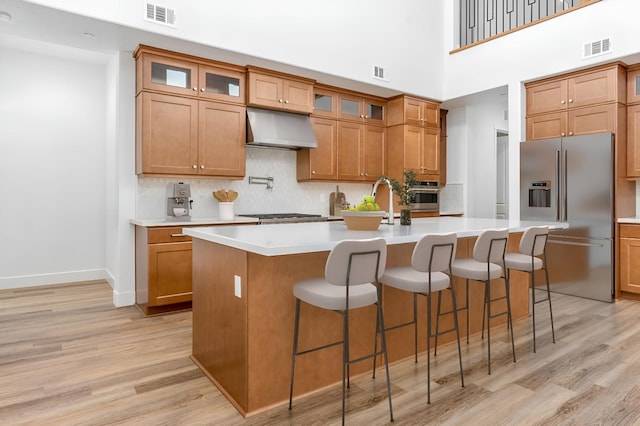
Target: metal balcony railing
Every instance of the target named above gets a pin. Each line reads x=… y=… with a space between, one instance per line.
x=482 y=19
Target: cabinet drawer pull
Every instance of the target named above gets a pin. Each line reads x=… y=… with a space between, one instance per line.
x=178 y=235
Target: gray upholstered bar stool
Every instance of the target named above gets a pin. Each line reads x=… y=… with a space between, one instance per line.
x=350 y=281
x=429 y=272
x=485 y=265
x=533 y=257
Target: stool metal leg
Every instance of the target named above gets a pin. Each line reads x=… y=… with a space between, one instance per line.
x=509 y=320
x=428 y=348
x=415 y=326
x=467 y=305
x=546 y=272
x=345 y=357
x=386 y=355
x=533 y=306
x=487 y=298
x=295 y=349
x=435 y=345
x=455 y=323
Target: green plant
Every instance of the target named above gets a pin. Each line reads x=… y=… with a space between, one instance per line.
x=404 y=190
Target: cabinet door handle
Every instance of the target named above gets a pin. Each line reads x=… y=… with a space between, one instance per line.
x=570 y=133
x=570 y=101
x=202 y=89
x=313 y=172
x=195 y=89
x=366 y=116
x=178 y=235
x=280 y=100
x=202 y=167
x=562 y=102
x=562 y=134
x=194 y=166
x=286 y=101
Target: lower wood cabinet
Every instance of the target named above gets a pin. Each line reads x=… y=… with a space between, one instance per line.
x=629 y=258
x=163 y=269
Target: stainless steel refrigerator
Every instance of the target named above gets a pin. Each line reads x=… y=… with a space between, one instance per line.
x=571 y=180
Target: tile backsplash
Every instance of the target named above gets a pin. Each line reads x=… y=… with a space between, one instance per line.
x=287 y=195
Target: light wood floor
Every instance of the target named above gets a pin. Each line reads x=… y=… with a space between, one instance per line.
x=68 y=357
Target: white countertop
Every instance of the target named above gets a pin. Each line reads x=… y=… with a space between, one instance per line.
x=150 y=223
x=629 y=220
x=292 y=238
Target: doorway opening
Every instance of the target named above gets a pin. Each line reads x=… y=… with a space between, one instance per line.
x=502 y=174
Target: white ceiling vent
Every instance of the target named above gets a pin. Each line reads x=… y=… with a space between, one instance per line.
x=160 y=15
x=379 y=73
x=595 y=48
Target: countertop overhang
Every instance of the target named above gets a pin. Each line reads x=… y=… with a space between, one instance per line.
x=294 y=238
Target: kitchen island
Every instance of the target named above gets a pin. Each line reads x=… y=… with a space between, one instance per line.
x=243 y=305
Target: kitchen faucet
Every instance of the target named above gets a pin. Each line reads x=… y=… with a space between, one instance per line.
x=373 y=194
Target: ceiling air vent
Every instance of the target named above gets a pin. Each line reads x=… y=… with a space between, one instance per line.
x=160 y=15
x=379 y=73
x=598 y=47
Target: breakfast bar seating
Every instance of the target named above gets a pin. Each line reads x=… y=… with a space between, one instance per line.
x=243 y=302
x=429 y=273
x=351 y=281
x=532 y=257
x=486 y=265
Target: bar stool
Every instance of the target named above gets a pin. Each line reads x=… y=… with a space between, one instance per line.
x=352 y=268
x=532 y=257
x=485 y=265
x=428 y=273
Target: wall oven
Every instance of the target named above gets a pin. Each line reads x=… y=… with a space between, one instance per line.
x=427 y=196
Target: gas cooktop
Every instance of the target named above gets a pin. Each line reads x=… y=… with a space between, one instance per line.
x=286 y=217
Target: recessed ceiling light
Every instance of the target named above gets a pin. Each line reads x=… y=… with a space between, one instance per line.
x=5 y=16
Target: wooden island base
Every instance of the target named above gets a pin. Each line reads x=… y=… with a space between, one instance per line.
x=244 y=344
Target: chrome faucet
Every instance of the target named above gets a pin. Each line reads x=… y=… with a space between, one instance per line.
x=380 y=180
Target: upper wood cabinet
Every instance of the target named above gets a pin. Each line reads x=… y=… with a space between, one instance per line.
x=577 y=104
x=443 y=147
x=414 y=111
x=190 y=115
x=578 y=90
x=279 y=91
x=167 y=72
x=325 y=103
x=184 y=136
x=415 y=148
x=320 y=163
x=579 y=121
x=361 y=152
x=357 y=108
x=633 y=140
x=633 y=85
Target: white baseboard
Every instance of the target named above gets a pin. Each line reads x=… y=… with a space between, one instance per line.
x=8 y=283
x=127 y=298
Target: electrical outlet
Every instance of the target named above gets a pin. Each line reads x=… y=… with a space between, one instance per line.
x=237 y=284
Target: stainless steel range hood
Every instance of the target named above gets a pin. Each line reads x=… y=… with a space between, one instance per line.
x=277 y=129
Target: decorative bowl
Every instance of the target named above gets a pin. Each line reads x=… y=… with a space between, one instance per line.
x=362 y=220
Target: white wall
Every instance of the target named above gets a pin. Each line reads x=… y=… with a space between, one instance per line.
x=337 y=37
x=52 y=167
x=551 y=47
x=471 y=149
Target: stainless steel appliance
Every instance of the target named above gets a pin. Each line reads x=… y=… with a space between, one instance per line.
x=427 y=196
x=285 y=217
x=571 y=180
x=178 y=201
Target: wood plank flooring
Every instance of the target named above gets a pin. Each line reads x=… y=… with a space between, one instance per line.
x=69 y=357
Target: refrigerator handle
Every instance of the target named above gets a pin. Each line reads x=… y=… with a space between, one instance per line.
x=558 y=183
x=564 y=184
